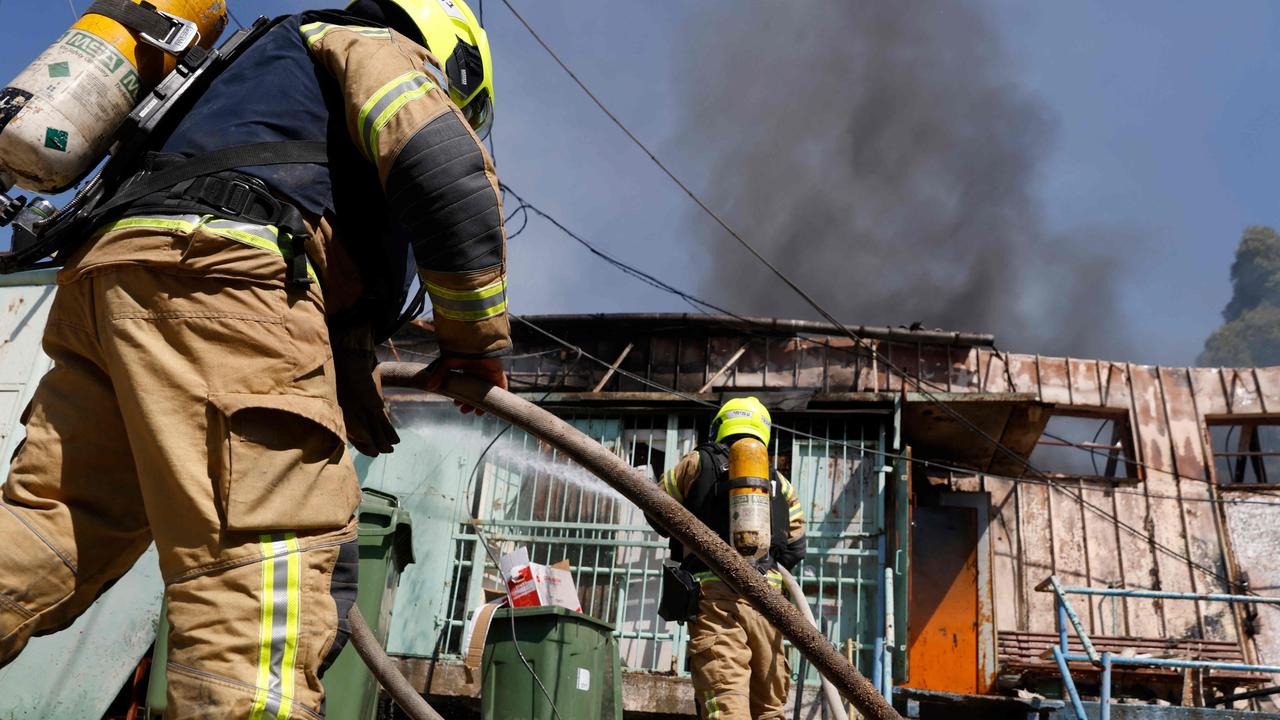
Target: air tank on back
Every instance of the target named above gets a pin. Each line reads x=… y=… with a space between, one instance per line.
x=57 y=118
x=749 y=499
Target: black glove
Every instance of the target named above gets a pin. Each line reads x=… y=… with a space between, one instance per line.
x=369 y=426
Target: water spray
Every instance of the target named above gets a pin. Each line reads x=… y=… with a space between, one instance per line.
x=640 y=489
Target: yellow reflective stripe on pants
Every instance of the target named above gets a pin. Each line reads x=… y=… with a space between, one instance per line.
x=264 y=237
x=385 y=103
x=314 y=32
x=469 y=305
x=713 y=707
x=773 y=576
x=278 y=633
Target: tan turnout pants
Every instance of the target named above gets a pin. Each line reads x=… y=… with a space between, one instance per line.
x=740 y=671
x=191 y=403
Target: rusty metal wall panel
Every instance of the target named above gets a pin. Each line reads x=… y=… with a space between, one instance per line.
x=1085 y=387
x=1209 y=394
x=1011 y=591
x=1255 y=536
x=1070 y=538
x=1198 y=515
x=1268 y=380
x=1162 y=520
x=1106 y=616
x=1115 y=384
x=1038 y=552
x=1051 y=376
x=1242 y=391
x=996 y=374
x=811 y=364
x=1023 y=377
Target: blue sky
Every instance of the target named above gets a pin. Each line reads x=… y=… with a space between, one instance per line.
x=1164 y=119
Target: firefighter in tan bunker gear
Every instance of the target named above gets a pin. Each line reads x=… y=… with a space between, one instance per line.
x=740 y=671
x=194 y=400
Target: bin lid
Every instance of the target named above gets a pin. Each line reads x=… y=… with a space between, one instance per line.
x=553 y=610
x=395 y=521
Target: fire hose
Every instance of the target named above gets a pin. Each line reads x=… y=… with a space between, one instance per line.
x=829 y=692
x=679 y=523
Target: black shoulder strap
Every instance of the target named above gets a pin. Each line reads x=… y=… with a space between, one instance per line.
x=139 y=17
x=228 y=158
x=713 y=458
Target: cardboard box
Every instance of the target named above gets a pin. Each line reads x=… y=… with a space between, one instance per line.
x=529 y=585
x=536 y=585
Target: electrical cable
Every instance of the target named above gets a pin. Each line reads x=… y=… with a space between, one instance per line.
x=484 y=540
x=506 y=585
x=1079 y=498
x=703 y=305
x=817 y=307
x=233 y=17
x=867 y=449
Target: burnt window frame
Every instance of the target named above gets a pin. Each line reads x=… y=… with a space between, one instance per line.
x=1123 y=432
x=1253 y=458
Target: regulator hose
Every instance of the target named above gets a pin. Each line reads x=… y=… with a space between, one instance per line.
x=384 y=669
x=639 y=488
x=829 y=692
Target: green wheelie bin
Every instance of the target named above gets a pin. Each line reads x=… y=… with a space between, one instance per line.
x=386 y=547
x=575 y=657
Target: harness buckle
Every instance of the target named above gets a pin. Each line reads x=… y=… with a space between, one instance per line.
x=181 y=36
x=237 y=199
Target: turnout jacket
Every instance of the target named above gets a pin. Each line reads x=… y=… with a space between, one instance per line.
x=709 y=465
x=408 y=185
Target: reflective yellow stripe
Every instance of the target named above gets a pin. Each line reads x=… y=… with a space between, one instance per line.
x=469 y=305
x=263 y=237
x=289 y=666
x=712 y=705
x=264 y=631
x=177 y=223
x=385 y=103
x=314 y=32
x=774 y=578
x=278 y=633
x=671 y=485
x=493 y=288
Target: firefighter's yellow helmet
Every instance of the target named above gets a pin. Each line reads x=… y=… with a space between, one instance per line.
x=455 y=37
x=742 y=416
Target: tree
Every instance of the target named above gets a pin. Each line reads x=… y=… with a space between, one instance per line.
x=1250 y=335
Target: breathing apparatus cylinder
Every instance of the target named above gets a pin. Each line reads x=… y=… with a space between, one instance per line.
x=749 y=500
x=57 y=118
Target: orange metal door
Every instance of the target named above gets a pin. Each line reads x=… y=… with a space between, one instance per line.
x=942 y=636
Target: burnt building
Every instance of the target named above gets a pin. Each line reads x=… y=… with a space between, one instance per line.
x=944 y=483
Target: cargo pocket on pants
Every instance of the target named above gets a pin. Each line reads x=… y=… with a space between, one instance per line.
x=280 y=462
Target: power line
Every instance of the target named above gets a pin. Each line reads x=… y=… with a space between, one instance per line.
x=817 y=307
x=1047 y=481
x=525 y=207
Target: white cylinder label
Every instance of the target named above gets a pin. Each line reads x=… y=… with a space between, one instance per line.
x=69 y=103
x=749 y=519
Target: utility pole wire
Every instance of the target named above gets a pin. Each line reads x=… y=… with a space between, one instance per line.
x=889 y=364
x=74 y=13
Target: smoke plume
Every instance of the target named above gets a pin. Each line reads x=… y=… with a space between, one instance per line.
x=1250 y=334
x=883 y=155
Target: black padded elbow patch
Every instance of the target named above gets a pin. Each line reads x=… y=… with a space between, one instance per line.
x=439 y=191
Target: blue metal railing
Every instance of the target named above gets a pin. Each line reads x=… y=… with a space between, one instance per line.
x=1066 y=616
